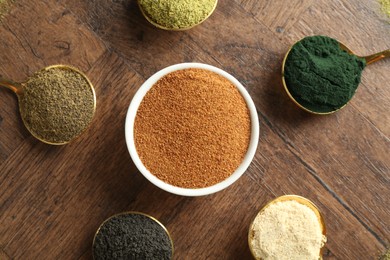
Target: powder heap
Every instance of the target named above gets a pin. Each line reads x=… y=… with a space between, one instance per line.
x=132 y=237
x=192 y=128
x=320 y=75
x=177 y=14
x=386 y=255
x=5 y=5
x=386 y=6
x=286 y=230
x=57 y=104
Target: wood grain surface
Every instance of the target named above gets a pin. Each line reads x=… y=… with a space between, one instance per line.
x=52 y=199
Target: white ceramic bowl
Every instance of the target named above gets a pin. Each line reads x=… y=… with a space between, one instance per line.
x=129 y=132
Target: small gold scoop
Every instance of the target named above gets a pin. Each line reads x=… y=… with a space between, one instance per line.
x=300 y=200
x=151 y=20
x=113 y=220
x=369 y=59
x=56 y=104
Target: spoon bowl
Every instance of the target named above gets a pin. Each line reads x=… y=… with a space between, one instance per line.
x=150 y=20
x=300 y=200
x=368 y=59
x=85 y=106
x=131 y=213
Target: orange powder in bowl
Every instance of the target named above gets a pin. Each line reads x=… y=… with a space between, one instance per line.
x=192 y=128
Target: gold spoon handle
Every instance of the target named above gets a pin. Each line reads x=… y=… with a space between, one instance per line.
x=377 y=56
x=14 y=86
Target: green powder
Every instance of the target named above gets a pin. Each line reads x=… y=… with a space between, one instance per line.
x=320 y=75
x=385 y=6
x=4 y=7
x=57 y=104
x=177 y=14
x=386 y=256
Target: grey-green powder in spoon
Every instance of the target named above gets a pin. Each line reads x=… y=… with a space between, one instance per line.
x=57 y=104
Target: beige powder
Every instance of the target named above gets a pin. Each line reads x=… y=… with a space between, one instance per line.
x=286 y=230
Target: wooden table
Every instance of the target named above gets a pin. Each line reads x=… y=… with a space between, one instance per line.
x=52 y=199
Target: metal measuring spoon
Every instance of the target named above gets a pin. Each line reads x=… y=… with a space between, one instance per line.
x=300 y=200
x=150 y=19
x=130 y=239
x=369 y=59
x=56 y=126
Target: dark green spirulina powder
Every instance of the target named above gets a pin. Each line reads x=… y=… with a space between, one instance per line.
x=320 y=75
x=132 y=236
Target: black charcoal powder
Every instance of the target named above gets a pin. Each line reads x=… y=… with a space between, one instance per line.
x=132 y=236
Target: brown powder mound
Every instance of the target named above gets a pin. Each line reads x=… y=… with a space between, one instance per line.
x=192 y=128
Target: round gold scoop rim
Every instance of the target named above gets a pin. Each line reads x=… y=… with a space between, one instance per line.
x=68 y=67
x=291 y=96
x=175 y=29
x=299 y=199
x=132 y=213
x=17 y=88
x=369 y=59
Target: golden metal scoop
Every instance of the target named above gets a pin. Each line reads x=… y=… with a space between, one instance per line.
x=119 y=238
x=150 y=19
x=369 y=59
x=300 y=200
x=56 y=104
